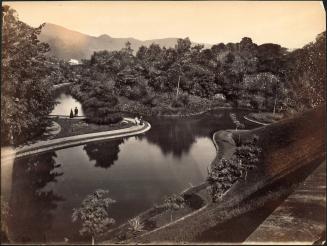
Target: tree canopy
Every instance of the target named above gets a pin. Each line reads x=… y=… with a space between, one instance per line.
x=26 y=80
x=246 y=74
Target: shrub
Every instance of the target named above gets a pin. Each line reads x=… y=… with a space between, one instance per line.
x=177 y=103
x=137 y=92
x=181 y=101
x=225 y=173
x=184 y=98
x=135 y=225
x=113 y=118
x=93 y=213
x=171 y=203
x=150 y=100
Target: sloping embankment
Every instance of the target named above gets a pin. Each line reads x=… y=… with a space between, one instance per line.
x=288 y=147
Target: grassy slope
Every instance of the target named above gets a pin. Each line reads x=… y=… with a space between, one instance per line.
x=287 y=145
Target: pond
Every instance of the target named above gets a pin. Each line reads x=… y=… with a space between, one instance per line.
x=65 y=102
x=138 y=171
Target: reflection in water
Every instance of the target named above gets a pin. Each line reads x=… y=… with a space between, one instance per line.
x=65 y=103
x=138 y=171
x=176 y=135
x=30 y=202
x=172 y=136
x=104 y=153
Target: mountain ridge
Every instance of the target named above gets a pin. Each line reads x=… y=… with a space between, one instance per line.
x=69 y=44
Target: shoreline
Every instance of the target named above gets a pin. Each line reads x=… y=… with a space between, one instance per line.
x=269 y=175
x=199 y=113
x=224 y=137
x=255 y=121
x=8 y=153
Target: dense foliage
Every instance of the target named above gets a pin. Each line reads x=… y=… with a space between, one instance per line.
x=159 y=80
x=94 y=213
x=225 y=172
x=153 y=80
x=306 y=73
x=5 y=213
x=26 y=80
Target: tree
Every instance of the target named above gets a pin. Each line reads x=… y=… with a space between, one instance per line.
x=171 y=203
x=183 y=57
x=128 y=48
x=26 y=88
x=306 y=74
x=5 y=213
x=94 y=214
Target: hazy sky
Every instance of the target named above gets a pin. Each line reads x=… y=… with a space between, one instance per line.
x=291 y=24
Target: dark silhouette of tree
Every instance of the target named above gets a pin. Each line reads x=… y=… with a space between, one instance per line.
x=31 y=205
x=26 y=83
x=104 y=153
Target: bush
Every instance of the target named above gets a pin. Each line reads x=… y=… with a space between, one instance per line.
x=225 y=173
x=177 y=103
x=184 y=98
x=150 y=100
x=137 y=92
x=108 y=119
x=181 y=101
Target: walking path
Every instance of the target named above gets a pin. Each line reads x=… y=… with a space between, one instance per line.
x=60 y=143
x=54 y=116
x=61 y=85
x=255 y=121
x=300 y=218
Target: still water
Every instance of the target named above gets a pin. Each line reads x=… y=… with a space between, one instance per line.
x=65 y=103
x=138 y=171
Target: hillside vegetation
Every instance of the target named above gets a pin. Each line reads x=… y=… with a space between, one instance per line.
x=189 y=78
x=180 y=80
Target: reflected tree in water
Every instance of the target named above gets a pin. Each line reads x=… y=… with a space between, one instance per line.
x=31 y=202
x=104 y=153
x=173 y=137
x=176 y=136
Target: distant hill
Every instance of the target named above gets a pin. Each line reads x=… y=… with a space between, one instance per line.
x=67 y=44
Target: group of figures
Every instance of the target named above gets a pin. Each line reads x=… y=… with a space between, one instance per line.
x=73 y=114
x=138 y=120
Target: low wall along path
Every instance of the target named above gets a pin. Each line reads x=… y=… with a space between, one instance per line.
x=60 y=143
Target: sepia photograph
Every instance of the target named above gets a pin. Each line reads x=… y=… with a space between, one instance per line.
x=163 y=122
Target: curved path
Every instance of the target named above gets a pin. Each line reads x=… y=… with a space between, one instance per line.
x=255 y=121
x=60 y=143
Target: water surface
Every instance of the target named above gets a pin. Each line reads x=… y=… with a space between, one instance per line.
x=65 y=103
x=138 y=171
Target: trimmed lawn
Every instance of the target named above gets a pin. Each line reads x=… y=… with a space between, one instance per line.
x=72 y=127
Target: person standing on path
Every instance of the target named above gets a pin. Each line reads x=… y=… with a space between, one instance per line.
x=71 y=114
x=76 y=111
x=136 y=120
